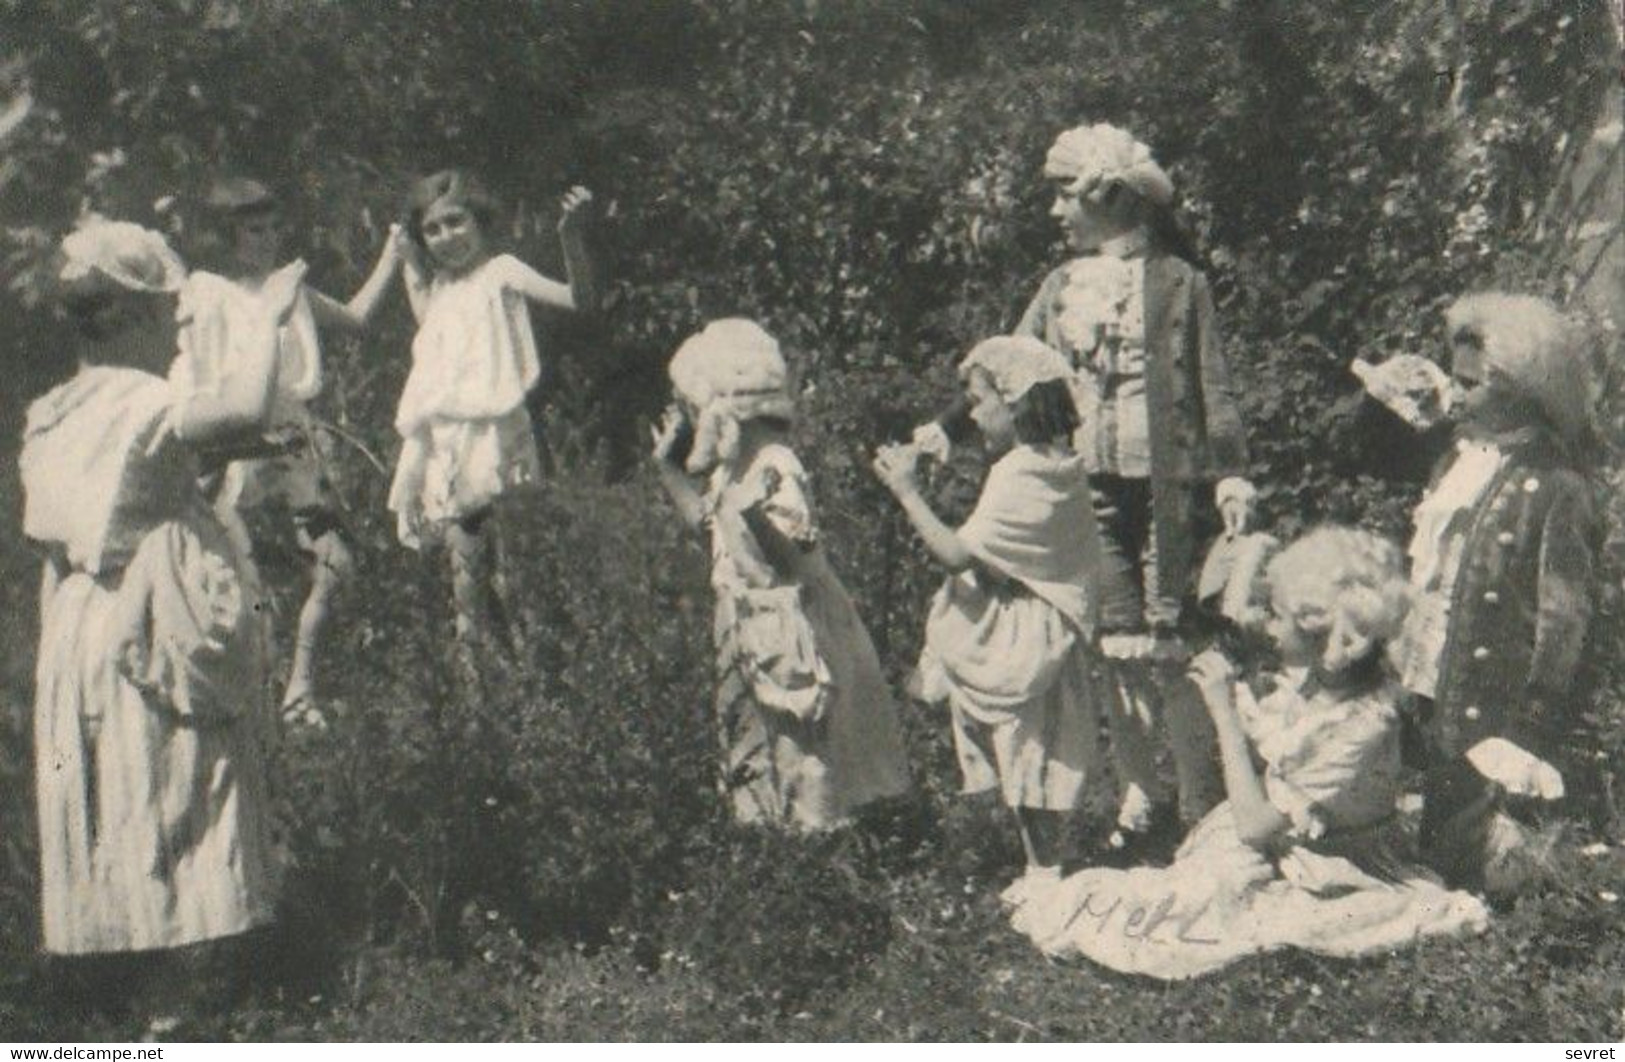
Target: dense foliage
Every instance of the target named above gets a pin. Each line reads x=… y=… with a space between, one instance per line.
x=549 y=857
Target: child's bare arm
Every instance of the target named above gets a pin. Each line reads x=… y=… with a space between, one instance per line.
x=538 y=288
x=355 y=315
x=1258 y=822
x=416 y=278
x=580 y=293
x=895 y=467
x=578 y=264
x=685 y=496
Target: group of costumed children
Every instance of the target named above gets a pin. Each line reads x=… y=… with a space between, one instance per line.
x=1076 y=604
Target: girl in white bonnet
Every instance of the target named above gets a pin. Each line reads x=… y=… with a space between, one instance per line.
x=1008 y=641
x=1133 y=315
x=809 y=727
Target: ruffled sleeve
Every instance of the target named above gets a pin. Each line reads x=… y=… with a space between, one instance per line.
x=786 y=499
x=218 y=321
x=299 y=353
x=100 y=466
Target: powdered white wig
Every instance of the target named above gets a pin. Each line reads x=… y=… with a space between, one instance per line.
x=1345 y=585
x=1092 y=155
x=1533 y=351
x=730 y=372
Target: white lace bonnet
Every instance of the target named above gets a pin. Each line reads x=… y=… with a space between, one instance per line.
x=730 y=371
x=133 y=257
x=1015 y=364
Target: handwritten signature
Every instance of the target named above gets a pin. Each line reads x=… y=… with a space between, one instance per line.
x=1141 y=920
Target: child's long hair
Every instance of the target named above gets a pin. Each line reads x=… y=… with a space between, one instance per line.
x=460 y=187
x=1045 y=413
x=1537 y=363
x=1346 y=586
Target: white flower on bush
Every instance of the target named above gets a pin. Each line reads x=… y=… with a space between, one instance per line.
x=1472 y=230
x=988 y=196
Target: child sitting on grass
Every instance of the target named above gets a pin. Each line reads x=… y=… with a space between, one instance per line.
x=1305 y=851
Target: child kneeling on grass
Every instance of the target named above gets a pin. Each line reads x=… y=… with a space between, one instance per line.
x=1007 y=643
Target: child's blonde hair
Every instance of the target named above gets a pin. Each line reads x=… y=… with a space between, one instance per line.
x=1344 y=585
x=1535 y=350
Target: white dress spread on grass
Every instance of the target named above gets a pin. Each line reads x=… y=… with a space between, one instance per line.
x=1339 y=884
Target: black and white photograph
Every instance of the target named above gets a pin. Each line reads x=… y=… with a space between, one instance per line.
x=784 y=521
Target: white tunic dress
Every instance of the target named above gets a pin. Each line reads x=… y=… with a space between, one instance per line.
x=466 y=433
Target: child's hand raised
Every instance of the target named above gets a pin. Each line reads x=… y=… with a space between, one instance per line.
x=575 y=208
x=1214 y=677
x=404 y=248
x=896 y=465
x=396 y=241
x=668 y=436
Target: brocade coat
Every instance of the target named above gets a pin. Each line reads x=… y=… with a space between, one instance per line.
x=1196 y=434
x=1523 y=599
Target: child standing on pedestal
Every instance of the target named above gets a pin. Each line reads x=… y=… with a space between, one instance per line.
x=1133 y=315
